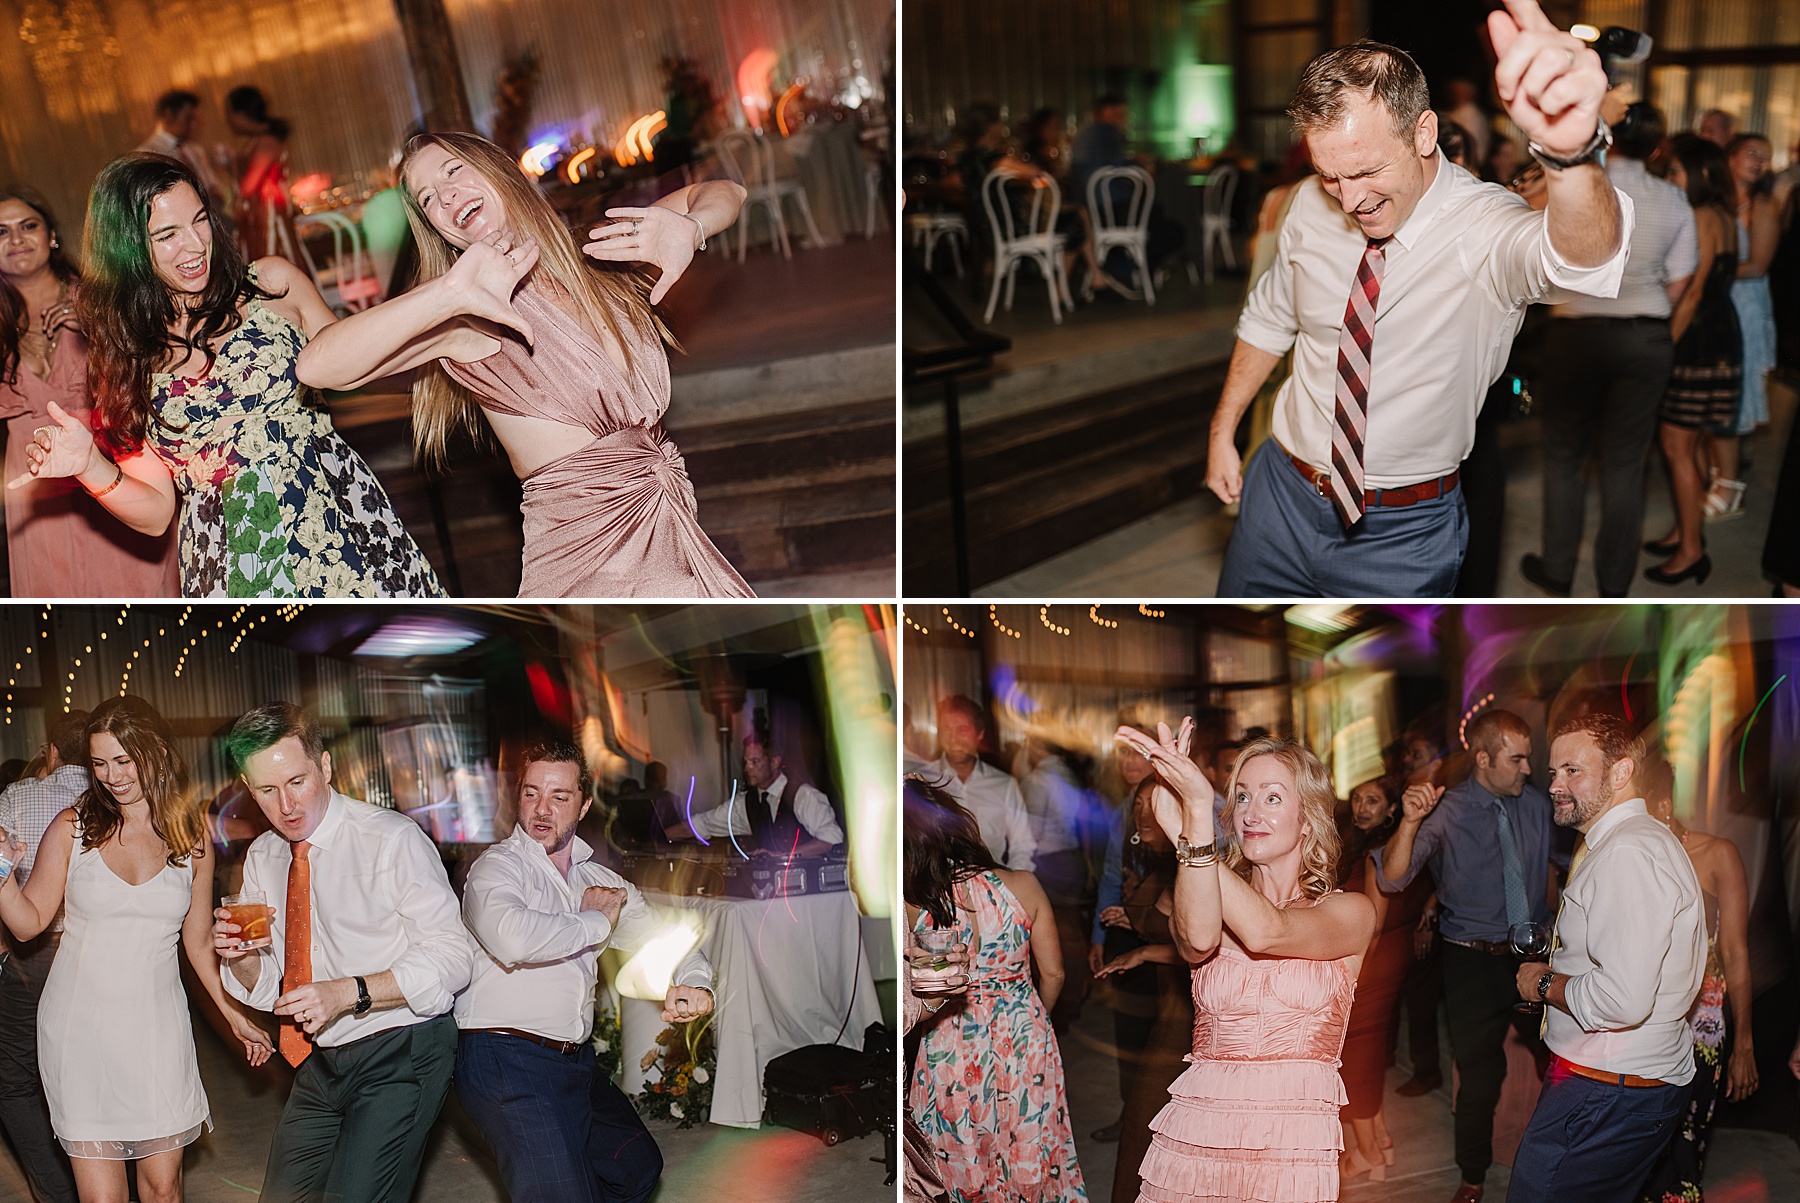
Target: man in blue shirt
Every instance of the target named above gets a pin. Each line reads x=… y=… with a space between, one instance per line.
x=1488 y=843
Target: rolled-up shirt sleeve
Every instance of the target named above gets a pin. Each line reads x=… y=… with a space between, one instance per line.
x=1269 y=322
x=721 y=821
x=1627 y=952
x=1519 y=265
x=513 y=933
x=268 y=978
x=437 y=962
x=1425 y=845
x=814 y=811
x=637 y=926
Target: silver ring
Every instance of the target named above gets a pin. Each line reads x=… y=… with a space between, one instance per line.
x=1571 y=55
x=635 y=222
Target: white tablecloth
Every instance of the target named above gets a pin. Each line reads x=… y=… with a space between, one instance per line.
x=788 y=971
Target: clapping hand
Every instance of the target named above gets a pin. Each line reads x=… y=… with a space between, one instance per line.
x=485 y=277
x=1551 y=82
x=63 y=449
x=1419 y=800
x=1181 y=787
x=658 y=236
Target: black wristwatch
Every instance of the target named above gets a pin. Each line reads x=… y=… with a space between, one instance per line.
x=1544 y=983
x=363 y=1001
x=1602 y=140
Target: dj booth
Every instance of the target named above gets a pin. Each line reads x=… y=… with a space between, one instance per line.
x=785 y=938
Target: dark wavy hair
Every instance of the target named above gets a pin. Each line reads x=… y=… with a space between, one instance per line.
x=168 y=788
x=1708 y=174
x=558 y=751
x=15 y=315
x=126 y=310
x=943 y=848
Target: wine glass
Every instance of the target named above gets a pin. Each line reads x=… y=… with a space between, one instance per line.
x=1532 y=942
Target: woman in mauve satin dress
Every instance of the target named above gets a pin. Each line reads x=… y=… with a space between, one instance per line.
x=572 y=377
x=1276 y=950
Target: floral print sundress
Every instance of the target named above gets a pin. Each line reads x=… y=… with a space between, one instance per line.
x=274 y=503
x=1675 y=1178
x=987 y=1086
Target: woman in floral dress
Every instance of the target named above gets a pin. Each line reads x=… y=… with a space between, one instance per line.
x=191 y=364
x=987 y=1083
x=1726 y=893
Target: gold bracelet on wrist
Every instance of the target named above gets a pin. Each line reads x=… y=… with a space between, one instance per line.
x=118 y=478
x=1194 y=856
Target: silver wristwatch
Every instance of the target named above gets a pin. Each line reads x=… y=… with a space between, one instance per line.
x=1545 y=980
x=1601 y=141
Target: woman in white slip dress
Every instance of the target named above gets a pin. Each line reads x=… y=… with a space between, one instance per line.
x=131 y=863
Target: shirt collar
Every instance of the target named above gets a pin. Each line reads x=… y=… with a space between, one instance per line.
x=580 y=851
x=775 y=787
x=981 y=767
x=1436 y=194
x=73 y=770
x=1614 y=817
x=1617 y=165
x=328 y=826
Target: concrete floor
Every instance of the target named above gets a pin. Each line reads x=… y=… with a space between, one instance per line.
x=1743 y=1166
x=1177 y=551
x=770 y=1165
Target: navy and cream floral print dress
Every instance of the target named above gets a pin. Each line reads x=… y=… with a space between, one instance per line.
x=273 y=502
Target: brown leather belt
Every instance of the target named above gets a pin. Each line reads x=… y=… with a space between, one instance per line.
x=1425 y=490
x=1564 y=1065
x=1493 y=948
x=564 y=1047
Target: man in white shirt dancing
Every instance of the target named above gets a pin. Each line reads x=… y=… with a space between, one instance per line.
x=541 y=912
x=1399 y=282
x=365 y=955
x=1626 y=965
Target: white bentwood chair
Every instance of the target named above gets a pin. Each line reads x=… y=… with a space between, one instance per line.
x=750 y=161
x=1215 y=216
x=1026 y=235
x=1119 y=201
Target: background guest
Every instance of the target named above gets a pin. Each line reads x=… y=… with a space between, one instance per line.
x=177 y=118
x=262 y=183
x=1758 y=233
x=987 y=1084
x=988 y=793
x=1058 y=807
x=1706 y=378
x=1716 y=126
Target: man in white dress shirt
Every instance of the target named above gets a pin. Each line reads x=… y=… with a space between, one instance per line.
x=177 y=115
x=1399 y=282
x=782 y=816
x=365 y=955
x=540 y=912
x=1625 y=968
x=991 y=795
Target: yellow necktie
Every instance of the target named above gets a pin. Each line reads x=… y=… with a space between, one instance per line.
x=1581 y=851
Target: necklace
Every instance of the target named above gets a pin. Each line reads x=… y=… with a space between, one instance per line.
x=1295 y=898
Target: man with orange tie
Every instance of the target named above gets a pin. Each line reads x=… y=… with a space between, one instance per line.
x=365 y=955
x=1399 y=282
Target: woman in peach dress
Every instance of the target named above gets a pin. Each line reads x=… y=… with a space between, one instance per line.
x=1276 y=950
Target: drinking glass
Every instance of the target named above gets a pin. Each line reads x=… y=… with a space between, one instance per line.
x=1532 y=942
x=931 y=960
x=252 y=913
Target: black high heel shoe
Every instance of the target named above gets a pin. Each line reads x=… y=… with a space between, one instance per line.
x=1665 y=547
x=1698 y=571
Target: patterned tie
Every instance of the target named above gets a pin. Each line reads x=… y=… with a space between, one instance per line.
x=296 y=1045
x=1512 y=866
x=1353 y=371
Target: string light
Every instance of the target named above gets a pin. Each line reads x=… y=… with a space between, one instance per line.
x=994 y=617
x=955 y=625
x=1463 y=727
x=1094 y=617
x=19 y=664
x=1147 y=612
x=1044 y=617
x=916 y=626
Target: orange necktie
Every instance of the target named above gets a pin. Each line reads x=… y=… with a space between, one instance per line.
x=296 y=1045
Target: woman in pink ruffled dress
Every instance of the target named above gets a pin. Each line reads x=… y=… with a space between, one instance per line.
x=1276 y=950
x=987 y=1082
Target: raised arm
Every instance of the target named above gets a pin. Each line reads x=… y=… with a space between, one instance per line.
x=1183 y=804
x=1340 y=925
x=137 y=489
x=665 y=235
x=1552 y=85
x=1395 y=862
x=439 y=319
x=28 y=911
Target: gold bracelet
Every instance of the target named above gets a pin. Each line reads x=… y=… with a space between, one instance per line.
x=1190 y=856
x=116 y=481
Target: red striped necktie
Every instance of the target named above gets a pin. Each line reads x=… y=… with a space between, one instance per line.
x=1351 y=426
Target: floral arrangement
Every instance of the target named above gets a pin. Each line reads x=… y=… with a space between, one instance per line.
x=607 y=1053
x=684 y=1061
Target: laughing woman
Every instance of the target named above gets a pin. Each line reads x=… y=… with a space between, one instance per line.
x=575 y=393
x=192 y=367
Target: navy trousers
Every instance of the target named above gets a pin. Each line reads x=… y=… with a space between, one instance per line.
x=561 y=1132
x=1288 y=541
x=1593 y=1141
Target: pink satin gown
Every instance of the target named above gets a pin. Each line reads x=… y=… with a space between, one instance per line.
x=1255 y=1114
x=616 y=517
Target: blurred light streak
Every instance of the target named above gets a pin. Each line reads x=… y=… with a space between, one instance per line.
x=690 y=814
x=730 y=828
x=646 y=972
x=861 y=708
x=1744 y=746
x=1625 y=684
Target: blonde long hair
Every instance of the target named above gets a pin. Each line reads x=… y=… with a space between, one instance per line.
x=603 y=297
x=1319 y=847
